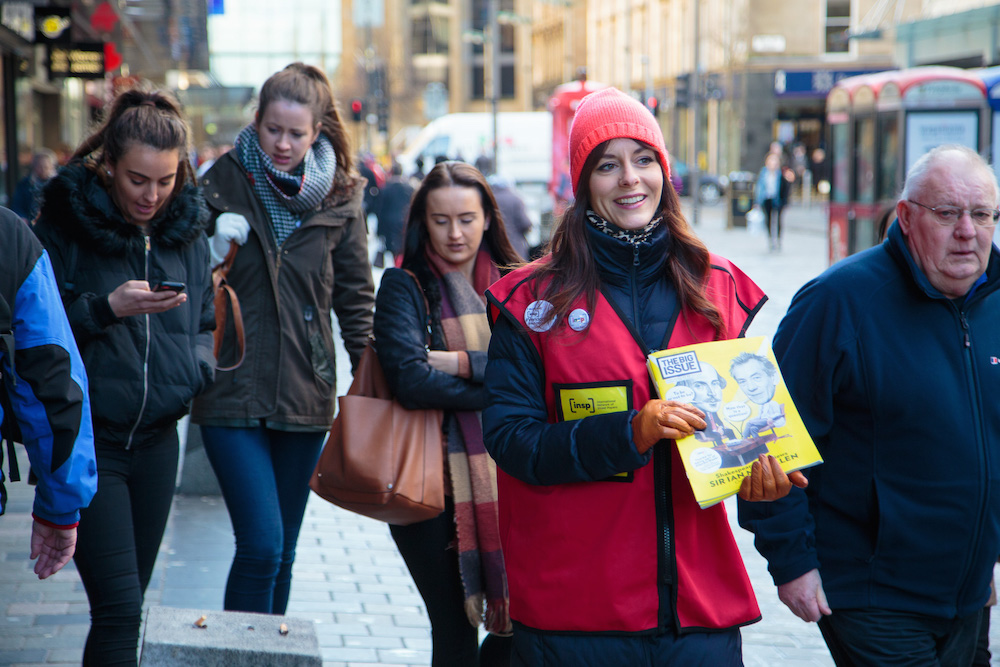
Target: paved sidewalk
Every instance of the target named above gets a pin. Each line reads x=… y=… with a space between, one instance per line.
x=348 y=577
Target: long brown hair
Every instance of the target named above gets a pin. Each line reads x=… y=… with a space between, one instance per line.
x=463 y=175
x=572 y=271
x=146 y=117
x=307 y=85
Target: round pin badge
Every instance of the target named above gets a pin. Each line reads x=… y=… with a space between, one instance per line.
x=538 y=316
x=578 y=320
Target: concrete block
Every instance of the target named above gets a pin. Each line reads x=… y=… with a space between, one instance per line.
x=171 y=638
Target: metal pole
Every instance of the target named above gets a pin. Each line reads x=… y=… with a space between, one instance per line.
x=492 y=33
x=694 y=172
x=627 y=81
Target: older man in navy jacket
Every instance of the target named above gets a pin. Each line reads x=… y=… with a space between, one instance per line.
x=891 y=358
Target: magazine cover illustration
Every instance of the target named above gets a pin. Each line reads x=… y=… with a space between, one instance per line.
x=738 y=385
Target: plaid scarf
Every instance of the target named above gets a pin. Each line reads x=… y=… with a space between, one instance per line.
x=473 y=471
x=286 y=196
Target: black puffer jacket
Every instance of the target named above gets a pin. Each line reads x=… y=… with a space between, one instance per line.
x=144 y=369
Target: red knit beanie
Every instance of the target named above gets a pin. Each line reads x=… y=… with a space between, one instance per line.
x=611 y=114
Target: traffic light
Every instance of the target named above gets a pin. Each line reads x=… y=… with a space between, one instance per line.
x=682 y=91
x=653 y=105
x=383 y=115
x=357 y=110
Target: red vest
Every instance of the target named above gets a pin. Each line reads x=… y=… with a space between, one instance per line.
x=583 y=556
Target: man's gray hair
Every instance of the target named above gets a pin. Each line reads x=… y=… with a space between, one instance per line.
x=917 y=177
x=746 y=357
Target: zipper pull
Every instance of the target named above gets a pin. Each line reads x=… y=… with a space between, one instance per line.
x=965 y=326
x=635 y=255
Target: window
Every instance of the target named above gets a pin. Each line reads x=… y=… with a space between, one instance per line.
x=429 y=34
x=838 y=20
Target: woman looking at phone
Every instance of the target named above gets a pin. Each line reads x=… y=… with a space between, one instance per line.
x=123 y=216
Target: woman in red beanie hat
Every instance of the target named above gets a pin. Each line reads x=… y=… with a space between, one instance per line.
x=610 y=560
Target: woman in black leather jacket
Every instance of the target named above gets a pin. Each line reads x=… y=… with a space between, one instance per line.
x=455 y=242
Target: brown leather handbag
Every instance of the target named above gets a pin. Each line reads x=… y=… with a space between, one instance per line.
x=226 y=302
x=382 y=460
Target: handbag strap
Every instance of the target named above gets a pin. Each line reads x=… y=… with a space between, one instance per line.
x=369 y=379
x=225 y=296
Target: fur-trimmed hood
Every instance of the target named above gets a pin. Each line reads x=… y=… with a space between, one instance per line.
x=79 y=205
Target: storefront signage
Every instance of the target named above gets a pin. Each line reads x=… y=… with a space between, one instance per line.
x=19 y=18
x=52 y=25
x=83 y=60
x=811 y=83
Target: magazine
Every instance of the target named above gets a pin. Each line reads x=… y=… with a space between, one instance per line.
x=738 y=385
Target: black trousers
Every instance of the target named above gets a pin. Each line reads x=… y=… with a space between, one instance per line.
x=884 y=638
x=772 y=214
x=429 y=550
x=117 y=542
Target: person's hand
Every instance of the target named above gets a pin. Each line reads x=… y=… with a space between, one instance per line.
x=134 y=297
x=805 y=597
x=53 y=547
x=767 y=481
x=444 y=361
x=670 y=420
x=228 y=227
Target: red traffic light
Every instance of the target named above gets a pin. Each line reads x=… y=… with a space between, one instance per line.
x=356 y=108
x=653 y=105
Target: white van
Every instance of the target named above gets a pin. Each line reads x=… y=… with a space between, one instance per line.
x=524 y=156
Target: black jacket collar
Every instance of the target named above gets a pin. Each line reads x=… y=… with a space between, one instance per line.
x=616 y=258
x=77 y=204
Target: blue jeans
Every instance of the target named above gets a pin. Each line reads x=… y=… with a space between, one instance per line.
x=118 y=539
x=881 y=637
x=264 y=476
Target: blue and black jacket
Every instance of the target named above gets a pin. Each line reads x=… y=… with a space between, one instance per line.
x=45 y=380
x=898 y=387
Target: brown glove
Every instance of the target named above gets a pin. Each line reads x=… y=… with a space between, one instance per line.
x=767 y=481
x=660 y=420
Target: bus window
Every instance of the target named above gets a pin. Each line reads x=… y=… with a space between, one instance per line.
x=864 y=160
x=888 y=163
x=839 y=185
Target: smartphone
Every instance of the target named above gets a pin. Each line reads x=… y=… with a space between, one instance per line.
x=168 y=285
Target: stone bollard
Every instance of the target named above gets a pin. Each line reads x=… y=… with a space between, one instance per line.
x=196 y=638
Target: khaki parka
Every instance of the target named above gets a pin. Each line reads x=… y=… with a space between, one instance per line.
x=288 y=376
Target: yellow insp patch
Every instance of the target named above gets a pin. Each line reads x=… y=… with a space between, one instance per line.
x=576 y=401
x=579 y=401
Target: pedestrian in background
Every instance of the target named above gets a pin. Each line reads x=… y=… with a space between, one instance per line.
x=288 y=195
x=47 y=388
x=891 y=548
x=609 y=557
x=28 y=192
x=773 y=185
x=454 y=245
x=122 y=217
x=515 y=216
x=394 y=203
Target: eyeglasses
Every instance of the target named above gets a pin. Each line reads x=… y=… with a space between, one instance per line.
x=950 y=215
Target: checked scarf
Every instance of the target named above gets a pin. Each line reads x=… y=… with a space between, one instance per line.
x=286 y=196
x=473 y=472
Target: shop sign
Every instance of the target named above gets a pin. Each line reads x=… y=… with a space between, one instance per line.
x=811 y=83
x=83 y=60
x=52 y=25
x=19 y=18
